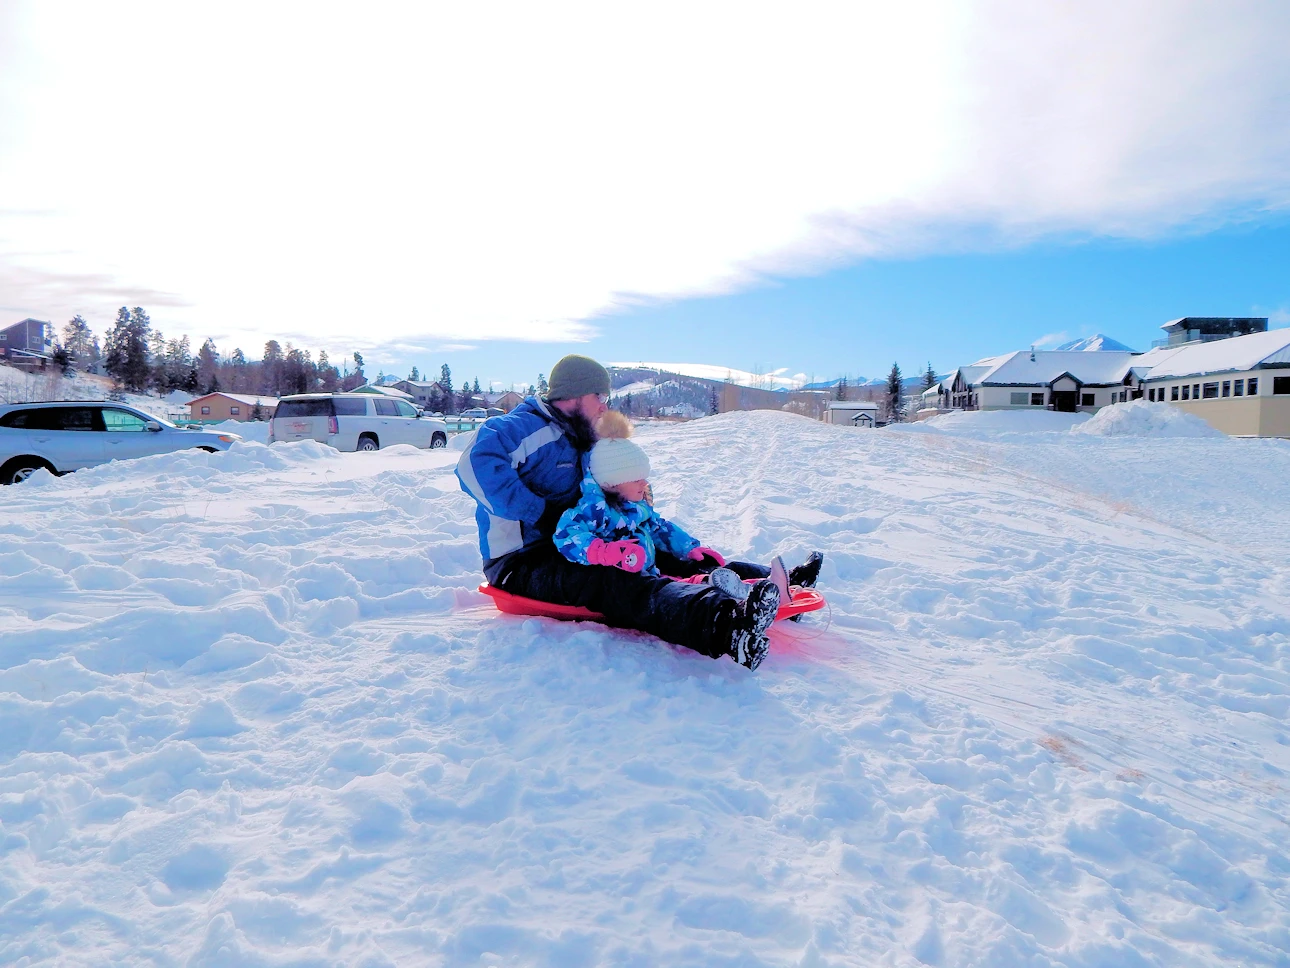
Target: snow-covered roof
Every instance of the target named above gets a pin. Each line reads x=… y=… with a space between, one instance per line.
x=1042 y=367
x=381 y=388
x=249 y=399
x=1222 y=355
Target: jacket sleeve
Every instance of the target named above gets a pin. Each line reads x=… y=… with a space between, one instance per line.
x=487 y=475
x=578 y=528
x=671 y=537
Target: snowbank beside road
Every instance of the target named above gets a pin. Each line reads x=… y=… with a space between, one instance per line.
x=255 y=713
x=1141 y=418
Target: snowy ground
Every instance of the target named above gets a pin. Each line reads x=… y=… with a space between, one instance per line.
x=254 y=713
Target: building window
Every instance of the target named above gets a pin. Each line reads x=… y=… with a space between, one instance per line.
x=235 y=410
x=1186 y=392
x=206 y=411
x=1086 y=400
x=1209 y=391
x=1238 y=388
x=1252 y=387
x=1281 y=385
x=1227 y=388
x=1036 y=399
x=1195 y=391
x=1019 y=399
x=1173 y=393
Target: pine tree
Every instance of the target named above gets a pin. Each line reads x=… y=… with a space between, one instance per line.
x=445 y=381
x=842 y=389
x=271 y=369
x=929 y=378
x=81 y=343
x=126 y=352
x=415 y=375
x=475 y=389
x=895 y=395
x=542 y=388
x=207 y=366
x=62 y=359
x=714 y=403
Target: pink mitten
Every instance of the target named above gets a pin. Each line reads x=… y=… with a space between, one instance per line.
x=627 y=555
x=699 y=553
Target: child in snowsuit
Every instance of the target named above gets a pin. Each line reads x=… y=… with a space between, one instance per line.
x=614 y=524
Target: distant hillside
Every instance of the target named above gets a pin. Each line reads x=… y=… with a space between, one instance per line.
x=1095 y=343
x=644 y=391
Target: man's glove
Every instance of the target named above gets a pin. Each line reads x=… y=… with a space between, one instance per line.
x=699 y=553
x=627 y=555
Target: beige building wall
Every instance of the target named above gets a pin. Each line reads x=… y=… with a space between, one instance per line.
x=1264 y=415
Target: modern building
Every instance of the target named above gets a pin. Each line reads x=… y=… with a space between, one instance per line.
x=219 y=406
x=1206 y=329
x=1241 y=385
x=28 y=344
x=1067 y=381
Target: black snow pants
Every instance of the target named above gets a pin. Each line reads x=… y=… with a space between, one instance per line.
x=696 y=616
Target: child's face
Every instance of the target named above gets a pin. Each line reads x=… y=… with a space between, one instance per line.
x=633 y=491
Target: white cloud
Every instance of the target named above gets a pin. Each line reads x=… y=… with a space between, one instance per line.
x=422 y=173
x=1051 y=339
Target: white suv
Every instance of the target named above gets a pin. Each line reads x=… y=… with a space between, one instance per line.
x=355 y=421
x=69 y=435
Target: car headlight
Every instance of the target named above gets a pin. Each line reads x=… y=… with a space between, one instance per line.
x=229 y=438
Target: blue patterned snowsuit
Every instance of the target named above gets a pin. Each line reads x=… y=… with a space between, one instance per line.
x=594 y=516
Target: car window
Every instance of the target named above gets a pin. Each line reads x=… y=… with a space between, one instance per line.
x=314 y=407
x=25 y=419
x=50 y=418
x=387 y=408
x=122 y=421
x=349 y=407
x=76 y=418
x=405 y=409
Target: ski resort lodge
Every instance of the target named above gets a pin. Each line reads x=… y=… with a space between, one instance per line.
x=1231 y=372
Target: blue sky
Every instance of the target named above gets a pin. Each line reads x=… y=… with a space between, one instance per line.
x=821 y=189
x=947 y=309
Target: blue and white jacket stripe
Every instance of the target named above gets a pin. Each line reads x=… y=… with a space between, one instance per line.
x=595 y=517
x=514 y=467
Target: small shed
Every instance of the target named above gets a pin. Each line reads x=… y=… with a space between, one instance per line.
x=853 y=413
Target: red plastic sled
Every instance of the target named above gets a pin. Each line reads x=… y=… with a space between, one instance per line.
x=804 y=600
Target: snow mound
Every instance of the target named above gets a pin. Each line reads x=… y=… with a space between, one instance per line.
x=1005 y=421
x=1141 y=418
x=253 y=430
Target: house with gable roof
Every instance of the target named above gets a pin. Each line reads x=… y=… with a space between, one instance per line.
x=1066 y=381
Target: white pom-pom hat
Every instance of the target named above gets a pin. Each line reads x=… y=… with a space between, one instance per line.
x=616 y=460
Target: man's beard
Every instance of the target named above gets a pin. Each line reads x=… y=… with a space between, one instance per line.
x=579 y=430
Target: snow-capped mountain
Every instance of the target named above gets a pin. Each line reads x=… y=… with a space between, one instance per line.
x=1095 y=342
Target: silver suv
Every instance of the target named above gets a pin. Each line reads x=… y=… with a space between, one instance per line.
x=355 y=421
x=68 y=435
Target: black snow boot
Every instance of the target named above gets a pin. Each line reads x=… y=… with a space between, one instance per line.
x=748 y=641
x=807 y=573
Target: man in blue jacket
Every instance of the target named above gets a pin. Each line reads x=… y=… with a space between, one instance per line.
x=525 y=468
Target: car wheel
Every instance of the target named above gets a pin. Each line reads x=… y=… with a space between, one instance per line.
x=438 y=440
x=368 y=442
x=21 y=468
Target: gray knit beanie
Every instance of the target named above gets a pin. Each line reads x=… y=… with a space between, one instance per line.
x=575 y=376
